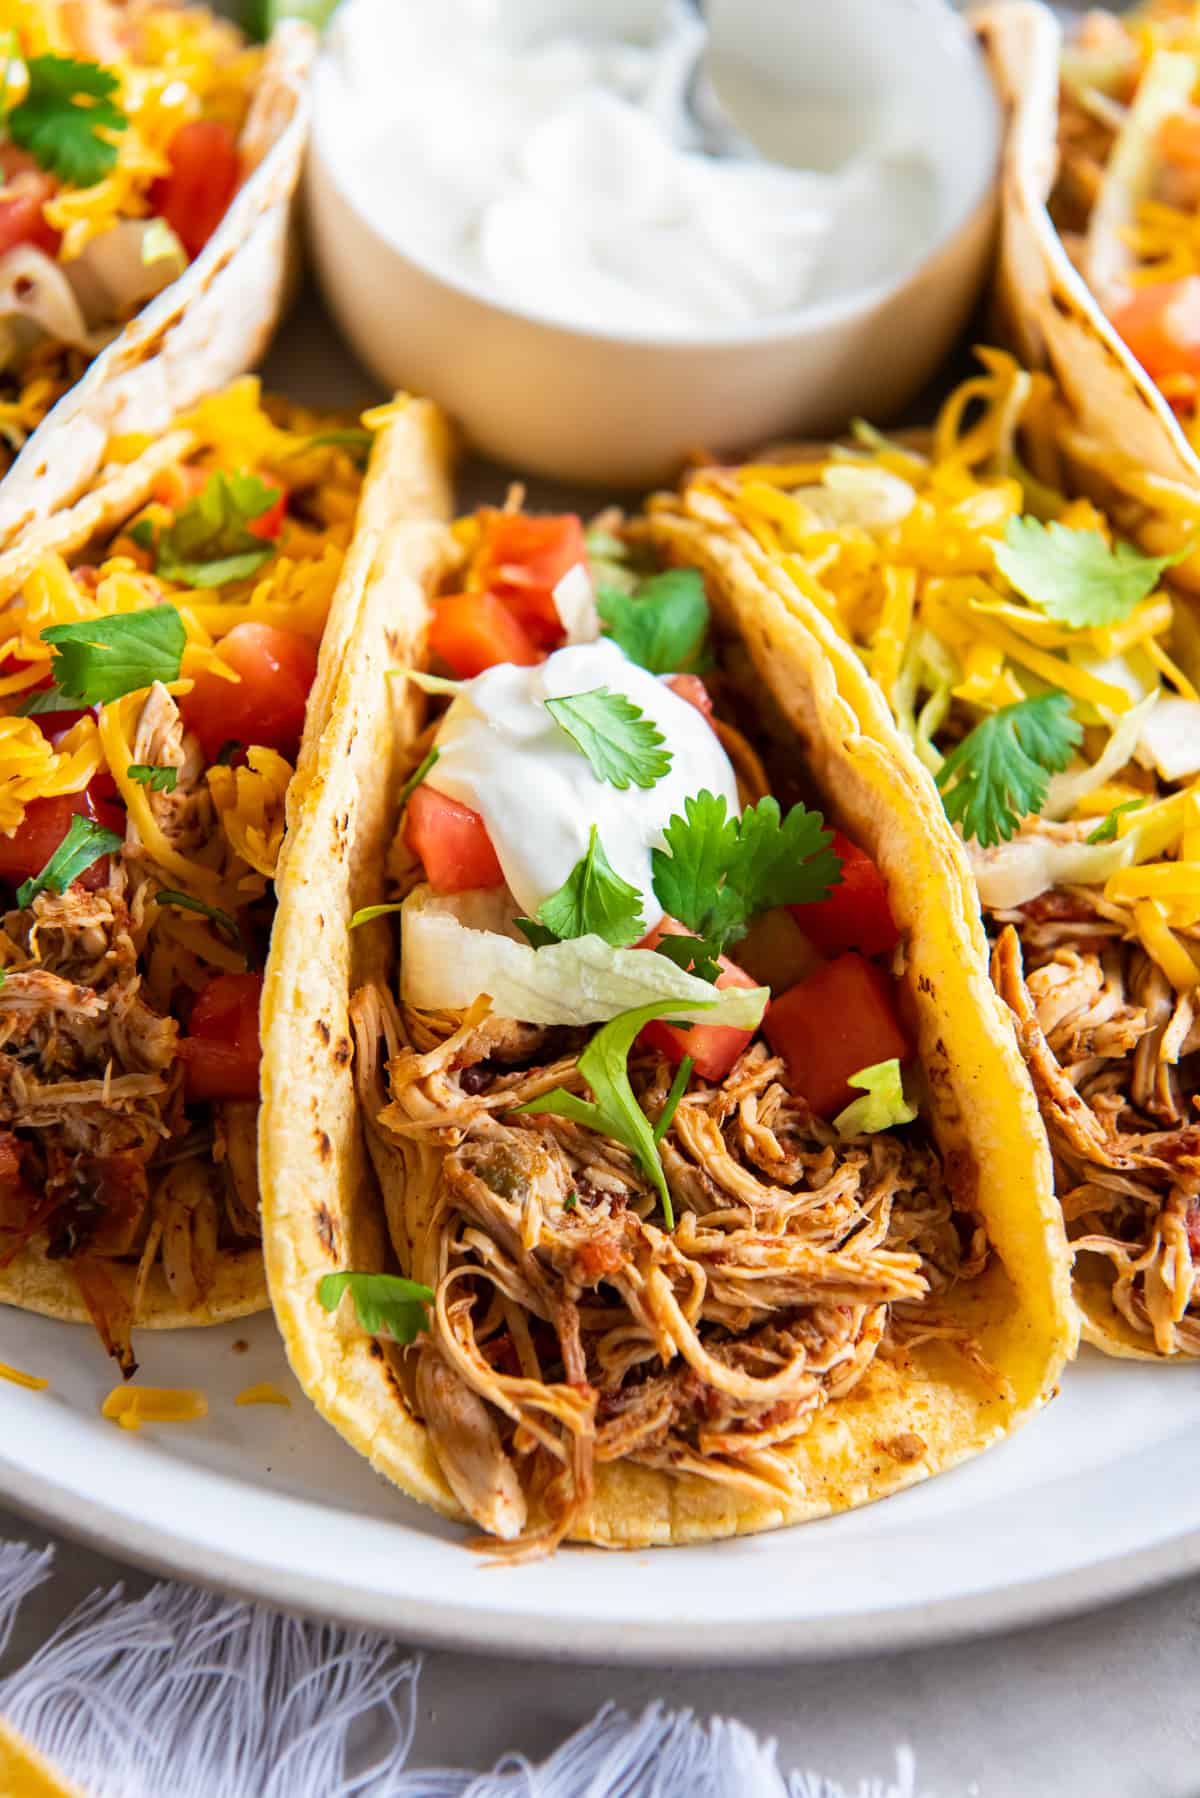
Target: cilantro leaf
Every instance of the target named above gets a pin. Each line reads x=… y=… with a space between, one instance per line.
x=622 y=745
x=209 y=542
x=613 y=1110
x=102 y=659
x=66 y=118
x=1073 y=576
x=663 y=626
x=386 y=1303
x=694 y=954
x=717 y=873
x=594 y=901
x=223 y=920
x=159 y=780
x=999 y=773
x=85 y=842
x=1106 y=830
x=535 y=934
x=355 y=440
x=884 y=1105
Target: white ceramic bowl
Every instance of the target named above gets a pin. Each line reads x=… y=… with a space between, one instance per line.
x=620 y=410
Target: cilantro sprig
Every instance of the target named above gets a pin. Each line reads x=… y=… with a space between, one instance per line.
x=613 y=1109
x=85 y=842
x=622 y=745
x=1074 y=576
x=592 y=901
x=223 y=921
x=662 y=625
x=209 y=542
x=68 y=118
x=1000 y=772
x=156 y=779
x=387 y=1304
x=102 y=659
x=718 y=872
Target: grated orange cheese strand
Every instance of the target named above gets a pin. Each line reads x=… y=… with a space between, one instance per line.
x=119 y=755
x=131 y=1406
x=33 y=1381
x=265 y=1393
x=1164 y=947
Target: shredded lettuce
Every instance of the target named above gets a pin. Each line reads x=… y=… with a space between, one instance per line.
x=451 y=952
x=1169 y=742
x=1013 y=873
x=1129 y=175
x=884 y=1105
x=1067 y=789
x=851 y=494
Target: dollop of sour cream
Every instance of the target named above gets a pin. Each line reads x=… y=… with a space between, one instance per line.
x=501 y=753
x=540 y=151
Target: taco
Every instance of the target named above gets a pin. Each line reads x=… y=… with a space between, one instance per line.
x=1046 y=675
x=626 y=1259
x=148 y=159
x=1098 y=276
x=158 y=641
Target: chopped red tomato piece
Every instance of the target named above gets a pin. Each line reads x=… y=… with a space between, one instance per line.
x=1161 y=325
x=266 y=706
x=451 y=841
x=1193 y=1229
x=269 y=524
x=474 y=631
x=194 y=197
x=693 y=689
x=833 y=1024
x=713 y=1047
x=179 y=483
x=26 y=188
x=856 y=914
x=523 y=559
x=221 y=1050
x=25 y=853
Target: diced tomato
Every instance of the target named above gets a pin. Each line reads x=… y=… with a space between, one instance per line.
x=1193 y=1229
x=451 y=841
x=26 y=190
x=833 y=1024
x=195 y=196
x=523 y=559
x=46 y=822
x=693 y=689
x=266 y=706
x=221 y=1050
x=178 y=484
x=856 y=914
x=474 y=631
x=269 y=524
x=53 y=724
x=713 y=1047
x=1161 y=325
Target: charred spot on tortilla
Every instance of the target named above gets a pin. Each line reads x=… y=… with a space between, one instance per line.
x=323 y=1031
x=327 y=1231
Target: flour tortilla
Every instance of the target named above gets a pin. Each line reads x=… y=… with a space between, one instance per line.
x=210 y=325
x=31 y=1280
x=322 y=1210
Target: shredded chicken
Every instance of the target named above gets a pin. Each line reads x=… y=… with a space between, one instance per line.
x=570 y=1328
x=1114 y=1052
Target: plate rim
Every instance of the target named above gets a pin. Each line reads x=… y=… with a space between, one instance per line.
x=590 y=1641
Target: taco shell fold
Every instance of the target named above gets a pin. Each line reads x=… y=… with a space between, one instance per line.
x=323 y=1209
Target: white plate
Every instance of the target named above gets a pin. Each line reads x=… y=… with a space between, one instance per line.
x=1096 y=1498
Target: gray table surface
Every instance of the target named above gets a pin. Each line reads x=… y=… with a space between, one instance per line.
x=1103 y=1706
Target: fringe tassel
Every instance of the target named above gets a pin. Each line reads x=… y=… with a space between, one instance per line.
x=187 y=1694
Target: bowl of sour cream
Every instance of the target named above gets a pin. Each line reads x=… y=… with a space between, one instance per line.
x=513 y=209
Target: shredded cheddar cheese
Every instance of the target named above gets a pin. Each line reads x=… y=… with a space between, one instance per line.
x=250 y=804
x=132 y=1406
x=17 y=1377
x=265 y=1393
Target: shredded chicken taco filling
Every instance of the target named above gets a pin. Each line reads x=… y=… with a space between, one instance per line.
x=119 y=156
x=1127 y=197
x=640 y=1217
x=153 y=684
x=1045 y=675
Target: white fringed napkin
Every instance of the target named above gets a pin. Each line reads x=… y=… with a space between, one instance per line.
x=195 y=1696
